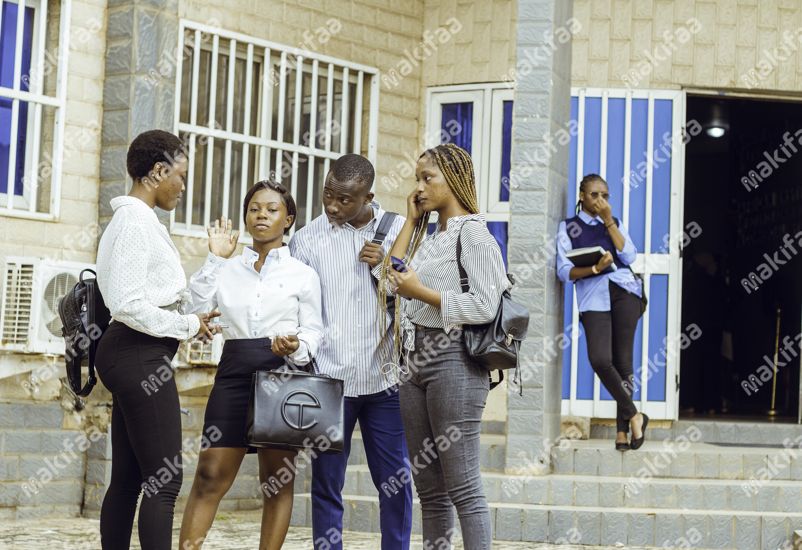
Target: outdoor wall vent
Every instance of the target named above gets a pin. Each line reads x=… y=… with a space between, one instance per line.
x=32 y=288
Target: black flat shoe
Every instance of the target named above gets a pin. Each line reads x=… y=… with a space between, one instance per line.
x=635 y=444
x=622 y=446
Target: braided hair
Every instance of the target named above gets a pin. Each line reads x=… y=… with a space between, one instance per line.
x=588 y=179
x=457 y=168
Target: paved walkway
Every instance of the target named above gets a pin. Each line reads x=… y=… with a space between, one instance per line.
x=232 y=531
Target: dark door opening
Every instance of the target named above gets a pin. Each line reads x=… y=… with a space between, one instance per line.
x=743 y=187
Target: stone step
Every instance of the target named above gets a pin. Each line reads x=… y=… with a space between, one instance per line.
x=594 y=525
x=677 y=458
x=714 y=431
x=493 y=450
x=611 y=492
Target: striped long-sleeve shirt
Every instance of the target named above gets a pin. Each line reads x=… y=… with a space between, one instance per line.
x=436 y=265
x=353 y=349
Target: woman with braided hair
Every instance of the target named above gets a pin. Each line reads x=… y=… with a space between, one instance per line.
x=609 y=296
x=443 y=391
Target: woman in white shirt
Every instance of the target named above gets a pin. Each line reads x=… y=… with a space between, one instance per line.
x=140 y=276
x=271 y=313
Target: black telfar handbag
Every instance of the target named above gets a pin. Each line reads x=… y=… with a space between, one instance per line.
x=496 y=345
x=84 y=319
x=294 y=409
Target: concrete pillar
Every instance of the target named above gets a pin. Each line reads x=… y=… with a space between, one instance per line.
x=538 y=180
x=139 y=88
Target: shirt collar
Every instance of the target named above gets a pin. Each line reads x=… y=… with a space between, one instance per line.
x=249 y=256
x=378 y=212
x=136 y=203
x=457 y=221
x=587 y=218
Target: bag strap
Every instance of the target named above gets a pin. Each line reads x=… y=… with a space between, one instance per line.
x=91 y=290
x=463 y=276
x=384 y=227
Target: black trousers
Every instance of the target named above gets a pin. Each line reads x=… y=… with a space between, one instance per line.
x=145 y=438
x=610 y=336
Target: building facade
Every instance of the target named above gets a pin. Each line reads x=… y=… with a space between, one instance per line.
x=540 y=92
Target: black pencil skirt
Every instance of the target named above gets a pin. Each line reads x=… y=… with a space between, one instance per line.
x=228 y=402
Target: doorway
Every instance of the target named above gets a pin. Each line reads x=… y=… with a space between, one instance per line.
x=742 y=275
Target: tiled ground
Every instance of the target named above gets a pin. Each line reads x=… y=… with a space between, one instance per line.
x=231 y=532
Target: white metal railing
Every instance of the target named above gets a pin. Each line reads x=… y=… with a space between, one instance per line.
x=38 y=173
x=248 y=108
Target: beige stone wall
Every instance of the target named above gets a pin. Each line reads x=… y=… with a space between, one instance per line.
x=73 y=235
x=747 y=44
x=482 y=51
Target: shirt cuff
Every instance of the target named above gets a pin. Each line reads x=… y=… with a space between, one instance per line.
x=445 y=297
x=300 y=356
x=377 y=271
x=193 y=325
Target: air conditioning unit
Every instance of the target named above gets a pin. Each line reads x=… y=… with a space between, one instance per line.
x=32 y=288
x=197 y=353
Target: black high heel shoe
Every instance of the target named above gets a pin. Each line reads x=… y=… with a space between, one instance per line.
x=622 y=446
x=636 y=443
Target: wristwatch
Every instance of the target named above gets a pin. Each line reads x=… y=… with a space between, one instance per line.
x=594 y=270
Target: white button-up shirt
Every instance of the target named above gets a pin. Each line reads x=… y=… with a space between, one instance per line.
x=139 y=271
x=282 y=298
x=355 y=348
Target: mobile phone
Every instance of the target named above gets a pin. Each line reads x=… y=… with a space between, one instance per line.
x=398 y=264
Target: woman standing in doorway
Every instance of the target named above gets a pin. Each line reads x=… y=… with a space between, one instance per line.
x=609 y=298
x=270 y=304
x=443 y=391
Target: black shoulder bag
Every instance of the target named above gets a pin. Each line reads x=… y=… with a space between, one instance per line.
x=84 y=318
x=496 y=345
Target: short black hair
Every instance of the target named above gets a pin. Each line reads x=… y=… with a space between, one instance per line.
x=151 y=147
x=286 y=198
x=353 y=167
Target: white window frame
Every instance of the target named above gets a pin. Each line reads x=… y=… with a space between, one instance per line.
x=260 y=140
x=488 y=109
x=36 y=99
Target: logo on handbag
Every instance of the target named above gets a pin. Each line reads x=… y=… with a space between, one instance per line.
x=292 y=409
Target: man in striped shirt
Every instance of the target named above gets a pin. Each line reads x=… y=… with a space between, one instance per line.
x=338 y=245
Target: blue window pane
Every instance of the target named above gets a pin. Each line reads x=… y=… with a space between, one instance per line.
x=499 y=231
x=456 y=124
x=8 y=42
x=506 y=149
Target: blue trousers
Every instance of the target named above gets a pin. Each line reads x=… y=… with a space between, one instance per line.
x=379 y=417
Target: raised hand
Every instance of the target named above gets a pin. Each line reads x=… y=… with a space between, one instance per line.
x=222 y=238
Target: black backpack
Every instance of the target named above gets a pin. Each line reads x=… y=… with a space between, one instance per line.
x=84 y=318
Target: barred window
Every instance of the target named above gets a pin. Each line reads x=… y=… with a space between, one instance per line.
x=33 y=62
x=248 y=108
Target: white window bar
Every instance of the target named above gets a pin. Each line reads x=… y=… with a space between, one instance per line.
x=232 y=61
x=207 y=202
x=26 y=206
x=38 y=83
x=358 y=114
x=267 y=118
x=296 y=134
x=344 y=113
x=282 y=102
x=244 y=183
x=311 y=160
x=263 y=133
